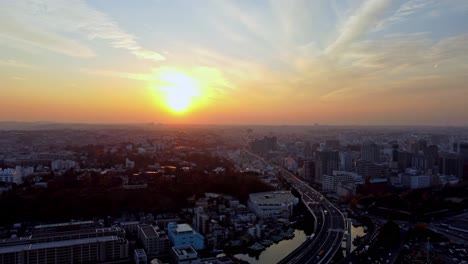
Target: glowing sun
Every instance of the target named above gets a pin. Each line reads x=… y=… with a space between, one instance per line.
x=180 y=90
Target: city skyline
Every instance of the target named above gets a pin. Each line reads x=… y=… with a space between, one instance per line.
x=375 y=62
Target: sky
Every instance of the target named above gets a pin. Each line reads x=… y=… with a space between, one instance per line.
x=343 y=62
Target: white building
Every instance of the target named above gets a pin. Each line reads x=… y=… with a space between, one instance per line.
x=272 y=204
x=10 y=176
x=15 y=175
x=415 y=181
x=58 y=165
x=330 y=182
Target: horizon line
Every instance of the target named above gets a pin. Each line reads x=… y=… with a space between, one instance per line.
x=227 y=124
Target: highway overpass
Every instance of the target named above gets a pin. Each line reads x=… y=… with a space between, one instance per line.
x=329 y=226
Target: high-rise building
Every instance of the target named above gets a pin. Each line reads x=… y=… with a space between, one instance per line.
x=370 y=152
x=432 y=157
x=405 y=160
x=451 y=164
x=263 y=146
x=332 y=144
x=330 y=182
x=419 y=146
x=370 y=170
x=463 y=150
x=309 y=171
x=308 y=151
x=346 y=161
x=395 y=152
x=326 y=162
x=201 y=220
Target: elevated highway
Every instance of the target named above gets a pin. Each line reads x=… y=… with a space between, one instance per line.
x=329 y=224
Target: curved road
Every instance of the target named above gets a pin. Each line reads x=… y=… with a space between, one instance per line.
x=329 y=223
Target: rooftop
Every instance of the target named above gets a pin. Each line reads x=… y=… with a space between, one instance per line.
x=149 y=231
x=140 y=252
x=185 y=251
x=65 y=224
x=272 y=197
x=182 y=228
x=54 y=244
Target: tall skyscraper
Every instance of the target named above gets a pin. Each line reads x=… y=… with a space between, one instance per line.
x=326 y=161
x=308 y=152
x=370 y=152
x=419 y=146
x=332 y=144
x=346 y=161
x=432 y=156
x=463 y=150
x=405 y=160
x=309 y=171
x=263 y=146
x=451 y=164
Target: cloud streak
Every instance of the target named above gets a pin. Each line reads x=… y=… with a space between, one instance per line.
x=52 y=25
x=404 y=12
x=366 y=17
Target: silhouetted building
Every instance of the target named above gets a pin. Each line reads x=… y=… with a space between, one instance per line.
x=308 y=152
x=432 y=156
x=451 y=164
x=263 y=146
x=419 y=146
x=326 y=162
x=346 y=161
x=309 y=171
x=332 y=144
x=405 y=160
x=370 y=152
x=395 y=152
x=370 y=170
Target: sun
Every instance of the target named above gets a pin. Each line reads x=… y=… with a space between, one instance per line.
x=180 y=90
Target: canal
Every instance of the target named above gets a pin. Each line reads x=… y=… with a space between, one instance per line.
x=275 y=252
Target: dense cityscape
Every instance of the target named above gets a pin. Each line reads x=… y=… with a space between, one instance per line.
x=233 y=194
x=233 y=132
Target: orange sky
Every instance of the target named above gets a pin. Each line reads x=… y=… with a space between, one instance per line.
x=375 y=62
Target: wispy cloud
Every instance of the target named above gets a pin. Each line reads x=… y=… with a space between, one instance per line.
x=366 y=17
x=405 y=11
x=18 y=64
x=13 y=30
x=53 y=25
x=120 y=74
